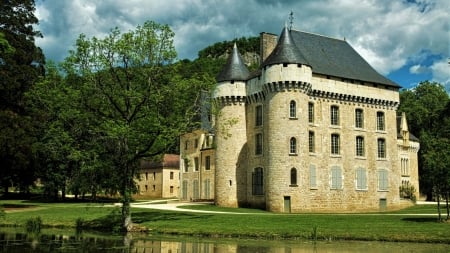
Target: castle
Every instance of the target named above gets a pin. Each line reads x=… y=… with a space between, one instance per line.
x=315 y=129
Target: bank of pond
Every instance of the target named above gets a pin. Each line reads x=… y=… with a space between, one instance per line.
x=16 y=240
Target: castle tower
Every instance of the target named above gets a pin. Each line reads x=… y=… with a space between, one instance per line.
x=286 y=75
x=229 y=97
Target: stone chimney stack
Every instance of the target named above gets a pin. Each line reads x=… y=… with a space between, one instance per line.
x=268 y=42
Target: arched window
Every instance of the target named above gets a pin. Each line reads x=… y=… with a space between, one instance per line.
x=293 y=146
x=257 y=181
x=292 y=109
x=293 y=176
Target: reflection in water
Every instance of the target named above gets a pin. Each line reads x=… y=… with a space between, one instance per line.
x=14 y=242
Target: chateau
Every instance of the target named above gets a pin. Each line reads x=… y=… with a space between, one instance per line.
x=315 y=129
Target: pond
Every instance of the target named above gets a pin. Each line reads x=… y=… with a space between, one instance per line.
x=17 y=241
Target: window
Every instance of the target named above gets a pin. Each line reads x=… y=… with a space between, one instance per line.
x=359 y=146
x=293 y=146
x=196 y=164
x=383 y=181
x=334 y=115
x=293 y=176
x=404 y=163
x=146 y=176
x=154 y=176
x=258 y=144
x=195 y=190
x=257 y=181
x=171 y=175
x=186 y=165
x=311 y=112
x=208 y=162
x=171 y=189
x=361 y=179
x=186 y=145
x=292 y=109
x=335 y=144
x=311 y=142
x=336 y=178
x=196 y=143
x=380 y=121
x=207 y=188
x=184 y=189
x=312 y=176
x=259 y=116
x=381 y=148
x=359 y=118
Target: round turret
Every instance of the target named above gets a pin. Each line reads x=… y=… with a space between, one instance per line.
x=230 y=96
x=286 y=62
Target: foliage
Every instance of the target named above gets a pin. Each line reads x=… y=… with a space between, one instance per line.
x=427 y=111
x=20 y=66
x=33 y=225
x=121 y=100
x=408 y=191
x=220 y=48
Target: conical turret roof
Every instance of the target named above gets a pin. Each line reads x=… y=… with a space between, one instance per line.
x=285 y=51
x=235 y=69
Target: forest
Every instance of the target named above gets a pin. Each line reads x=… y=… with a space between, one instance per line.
x=81 y=126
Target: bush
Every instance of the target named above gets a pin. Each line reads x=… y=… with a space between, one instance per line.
x=33 y=225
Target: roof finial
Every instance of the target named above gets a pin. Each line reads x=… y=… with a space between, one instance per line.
x=291 y=20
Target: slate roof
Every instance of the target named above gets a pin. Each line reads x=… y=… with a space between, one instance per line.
x=234 y=69
x=334 y=57
x=285 y=51
x=167 y=161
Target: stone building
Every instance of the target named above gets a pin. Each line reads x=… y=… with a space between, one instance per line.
x=159 y=179
x=197 y=166
x=314 y=130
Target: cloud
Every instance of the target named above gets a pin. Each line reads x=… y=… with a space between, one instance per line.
x=418 y=69
x=441 y=72
x=388 y=34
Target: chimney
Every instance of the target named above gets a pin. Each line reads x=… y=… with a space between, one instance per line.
x=268 y=42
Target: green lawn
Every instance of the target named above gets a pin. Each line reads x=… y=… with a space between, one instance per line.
x=249 y=223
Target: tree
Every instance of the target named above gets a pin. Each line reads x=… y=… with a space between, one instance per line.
x=20 y=66
x=133 y=108
x=427 y=108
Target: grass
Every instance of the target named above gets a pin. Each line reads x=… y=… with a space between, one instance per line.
x=405 y=225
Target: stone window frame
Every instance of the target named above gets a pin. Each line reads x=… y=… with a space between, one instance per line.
x=293 y=146
x=361 y=179
x=293 y=177
x=334 y=115
x=359 y=118
x=258 y=115
x=335 y=144
x=360 y=150
x=311 y=142
x=336 y=178
x=259 y=144
x=311 y=112
x=381 y=148
x=383 y=179
x=381 y=121
x=258 y=181
x=207 y=162
x=292 y=109
x=312 y=176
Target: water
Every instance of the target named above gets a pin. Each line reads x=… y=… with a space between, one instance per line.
x=16 y=241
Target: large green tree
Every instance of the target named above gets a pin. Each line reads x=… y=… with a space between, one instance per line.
x=135 y=103
x=21 y=64
x=428 y=115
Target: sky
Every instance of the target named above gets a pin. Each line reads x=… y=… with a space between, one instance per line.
x=406 y=40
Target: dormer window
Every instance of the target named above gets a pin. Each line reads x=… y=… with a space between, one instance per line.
x=285 y=65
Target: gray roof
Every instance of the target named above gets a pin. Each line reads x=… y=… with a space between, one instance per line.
x=285 y=51
x=235 y=69
x=412 y=137
x=333 y=57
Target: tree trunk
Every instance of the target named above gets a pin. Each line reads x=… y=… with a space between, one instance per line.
x=439 y=207
x=446 y=204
